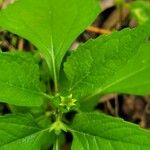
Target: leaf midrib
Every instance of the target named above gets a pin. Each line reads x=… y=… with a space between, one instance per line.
x=24 y=89
x=21 y=125
x=100 y=90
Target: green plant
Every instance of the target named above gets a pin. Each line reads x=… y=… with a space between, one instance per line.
x=119 y=62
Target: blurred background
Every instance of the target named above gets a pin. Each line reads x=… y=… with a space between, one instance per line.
x=116 y=15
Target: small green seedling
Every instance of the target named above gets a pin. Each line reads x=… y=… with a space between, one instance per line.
x=115 y=63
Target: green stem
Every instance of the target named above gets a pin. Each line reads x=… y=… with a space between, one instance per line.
x=54 y=67
x=52 y=70
x=56 y=144
x=55 y=75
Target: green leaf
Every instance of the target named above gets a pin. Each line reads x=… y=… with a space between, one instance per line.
x=140 y=10
x=21 y=131
x=114 y=63
x=95 y=131
x=50 y=25
x=19 y=80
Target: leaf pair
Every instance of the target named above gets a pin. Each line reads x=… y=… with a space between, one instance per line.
x=90 y=131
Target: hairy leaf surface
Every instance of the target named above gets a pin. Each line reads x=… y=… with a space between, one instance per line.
x=119 y=62
x=19 y=80
x=22 y=132
x=49 y=24
x=95 y=131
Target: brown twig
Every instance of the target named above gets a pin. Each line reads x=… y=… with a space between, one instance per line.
x=20 y=44
x=116 y=105
x=98 y=30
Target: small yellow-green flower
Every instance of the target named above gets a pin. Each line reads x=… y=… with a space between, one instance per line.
x=67 y=102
